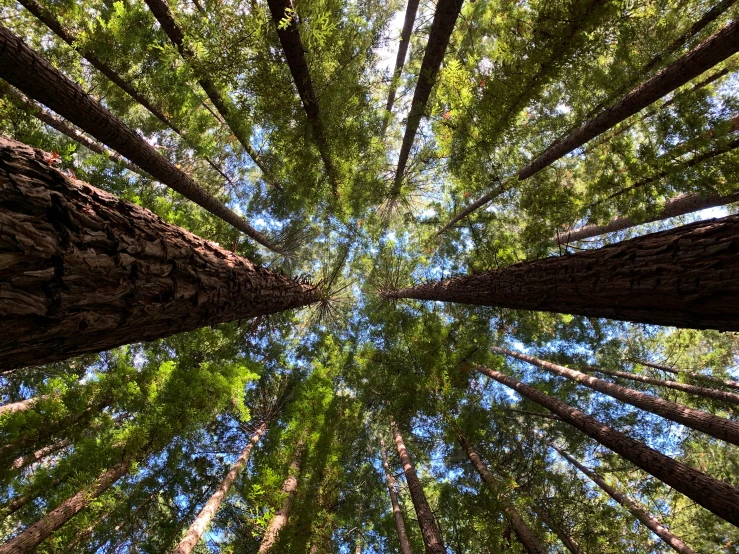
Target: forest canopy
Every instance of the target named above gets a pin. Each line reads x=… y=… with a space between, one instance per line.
x=369 y=276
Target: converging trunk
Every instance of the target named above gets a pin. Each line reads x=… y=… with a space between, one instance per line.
x=405 y=39
x=405 y=544
x=571 y=544
x=83 y=271
x=720 y=498
x=22 y=405
x=698 y=376
x=40 y=454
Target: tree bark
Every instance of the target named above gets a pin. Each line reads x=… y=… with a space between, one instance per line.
x=524 y=533
x=83 y=271
x=18 y=502
x=445 y=17
x=405 y=38
x=40 y=454
x=37 y=78
x=632 y=505
x=716 y=496
x=718 y=427
x=22 y=405
x=429 y=529
x=686 y=277
x=198 y=527
x=405 y=544
x=35 y=534
x=571 y=544
x=289 y=487
x=710 y=52
x=729 y=384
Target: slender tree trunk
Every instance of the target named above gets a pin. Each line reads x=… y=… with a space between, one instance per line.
x=429 y=529
x=570 y=543
x=20 y=501
x=714 y=495
x=445 y=17
x=40 y=454
x=707 y=54
x=729 y=384
x=37 y=78
x=84 y=271
x=630 y=504
x=405 y=38
x=686 y=277
x=22 y=405
x=198 y=527
x=35 y=534
x=524 y=533
x=718 y=427
x=405 y=544
x=289 y=487
x=295 y=57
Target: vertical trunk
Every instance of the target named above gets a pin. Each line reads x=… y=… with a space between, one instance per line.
x=630 y=504
x=40 y=454
x=289 y=487
x=30 y=73
x=714 y=495
x=84 y=271
x=35 y=534
x=524 y=533
x=728 y=384
x=686 y=277
x=405 y=38
x=196 y=530
x=570 y=543
x=405 y=544
x=718 y=427
x=429 y=529
x=445 y=17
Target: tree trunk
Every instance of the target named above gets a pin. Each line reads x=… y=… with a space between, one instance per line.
x=686 y=277
x=714 y=495
x=405 y=544
x=729 y=384
x=83 y=271
x=40 y=454
x=570 y=543
x=289 y=487
x=37 y=78
x=710 y=52
x=718 y=427
x=632 y=505
x=429 y=529
x=405 y=38
x=35 y=534
x=198 y=527
x=22 y=405
x=283 y=10
x=524 y=533
x=18 y=502
x=445 y=17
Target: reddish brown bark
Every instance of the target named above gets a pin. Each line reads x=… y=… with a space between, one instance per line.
x=632 y=505
x=405 y=544
x=21 y=405
x=426 y=521
x=720 y=498
x=37 y=78
x=40 y=454
x=718 y=427
x=20 y=501
x=686 y=277
x=83 y=271
x=198 y=527
x=405 y=38
x=698 y=376
x=571 y=544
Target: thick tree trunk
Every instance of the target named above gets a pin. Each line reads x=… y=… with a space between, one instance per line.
x=426 y=521
x=289 y=487
x=405 y=38
x=40 y=454
x=686 y=277
x=630 y=504
x=405 y=544
x=445 y=17
x=35 y=534
x=37 y=78
x=22 y=405
x=710 y=52
x=571 y=544
x=709 y=378
x=714 y=495
x=83 y=271
x=718 y=427
x=524 y=533
x=198 y=527
x=295 y=57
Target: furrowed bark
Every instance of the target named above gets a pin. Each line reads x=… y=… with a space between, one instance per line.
x=405 y=38
x=83 y=271
x=686 y=277
x=445 y=18
x=524 y=533
x=720 y=498
x=652 y=523
x=37 y=78
x=571 y=544
x=298 y=64
x=198 y=527
x=710 y=52
x=729 y=384
x=426 y=521
x=718 y=427
x=405 y=544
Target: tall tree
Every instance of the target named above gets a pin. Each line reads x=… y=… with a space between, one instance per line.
x=571 y=544
x=405 y=38
x=699 y=376
x=405 y=545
